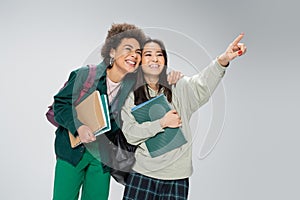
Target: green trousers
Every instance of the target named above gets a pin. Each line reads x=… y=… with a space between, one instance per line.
x=88 y=174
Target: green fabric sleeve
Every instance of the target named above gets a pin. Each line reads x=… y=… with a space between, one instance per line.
x=64 y=110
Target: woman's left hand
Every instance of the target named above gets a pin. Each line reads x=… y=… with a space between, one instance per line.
x=173 y=77
x=233 y=50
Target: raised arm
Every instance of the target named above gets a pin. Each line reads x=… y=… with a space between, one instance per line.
x=193 y=92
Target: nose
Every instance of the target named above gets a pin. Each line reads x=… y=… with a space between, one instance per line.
x=134 y=54
x=154 y=58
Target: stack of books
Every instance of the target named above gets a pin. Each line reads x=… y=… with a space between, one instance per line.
x=163 y=142
x=92 y=111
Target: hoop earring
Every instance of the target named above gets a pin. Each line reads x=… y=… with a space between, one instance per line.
x=111 y=61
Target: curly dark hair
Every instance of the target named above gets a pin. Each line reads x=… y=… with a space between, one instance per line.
x=116 y=34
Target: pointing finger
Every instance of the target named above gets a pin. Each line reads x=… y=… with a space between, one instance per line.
x=238 y=39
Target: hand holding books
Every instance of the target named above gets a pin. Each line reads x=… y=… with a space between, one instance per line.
x=86 y=134
x=172 y=136
x=171 y=119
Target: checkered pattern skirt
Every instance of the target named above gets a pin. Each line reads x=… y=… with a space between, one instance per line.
x=140 y=187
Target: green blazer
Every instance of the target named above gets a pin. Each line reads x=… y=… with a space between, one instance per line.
x=65 y=114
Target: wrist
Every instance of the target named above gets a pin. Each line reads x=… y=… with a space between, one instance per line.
x=222 y=61
x=162 y=123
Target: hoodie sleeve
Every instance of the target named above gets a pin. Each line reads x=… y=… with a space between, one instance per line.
x=134 y=132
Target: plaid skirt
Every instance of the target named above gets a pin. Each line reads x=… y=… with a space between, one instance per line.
x=140 y=187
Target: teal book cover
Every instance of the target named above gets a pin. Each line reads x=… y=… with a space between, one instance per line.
x=163 y=142
x=104 y=103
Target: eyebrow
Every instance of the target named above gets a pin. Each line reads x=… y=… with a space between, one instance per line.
x=129 y=45
x=150 y=51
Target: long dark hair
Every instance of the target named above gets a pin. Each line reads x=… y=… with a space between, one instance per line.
x=141 y=89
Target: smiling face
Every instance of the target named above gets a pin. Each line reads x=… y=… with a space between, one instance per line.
x=153 y=60
x=127 y=56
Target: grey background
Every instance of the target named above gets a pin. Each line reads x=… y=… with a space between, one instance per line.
x=257 y=155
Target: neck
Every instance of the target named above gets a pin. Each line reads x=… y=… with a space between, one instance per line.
x=115 y=75
x=152 y=81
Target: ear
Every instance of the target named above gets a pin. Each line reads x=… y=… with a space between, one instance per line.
x=112 y=53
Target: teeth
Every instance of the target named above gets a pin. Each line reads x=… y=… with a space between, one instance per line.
x=131 y=62
x=154 y=66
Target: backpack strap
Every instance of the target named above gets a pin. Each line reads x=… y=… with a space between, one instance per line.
x=88 y=82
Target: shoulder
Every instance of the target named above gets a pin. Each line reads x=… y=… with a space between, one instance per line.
x=130 y=99
x=181 y=83
x=82 y=72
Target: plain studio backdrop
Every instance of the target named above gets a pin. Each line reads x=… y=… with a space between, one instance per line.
x=252 y=115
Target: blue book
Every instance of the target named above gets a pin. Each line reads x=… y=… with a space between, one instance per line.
x=163 y=142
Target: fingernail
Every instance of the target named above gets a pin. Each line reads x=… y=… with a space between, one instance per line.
x=240 y=52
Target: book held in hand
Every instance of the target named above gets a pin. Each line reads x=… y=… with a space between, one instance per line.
x=163 y=142
x=92 y=111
